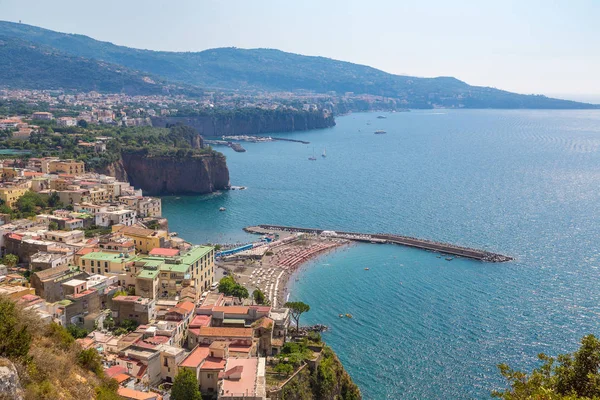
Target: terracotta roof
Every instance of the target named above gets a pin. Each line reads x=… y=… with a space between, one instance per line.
x=200 y=320
x=213 y=363
x=159 y=251
x=121 y=378
x=265 y=323
x=196 y=357
x=187 y=306
x=136 y=394
x=232 y=309
x=240 y=349
x=212 y=331
x=115 y=370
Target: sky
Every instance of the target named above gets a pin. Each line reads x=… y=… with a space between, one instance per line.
x=526 y=46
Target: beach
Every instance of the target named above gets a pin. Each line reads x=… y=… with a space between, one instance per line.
x=271 y=266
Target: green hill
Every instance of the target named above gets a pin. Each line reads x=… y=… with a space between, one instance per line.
x=274 y=70
x=33 y=66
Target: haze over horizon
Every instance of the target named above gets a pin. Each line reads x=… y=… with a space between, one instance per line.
x=528 y=48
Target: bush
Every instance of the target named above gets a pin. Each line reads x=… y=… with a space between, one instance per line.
x=15 y=338
x=90 y=360
x=77 y=332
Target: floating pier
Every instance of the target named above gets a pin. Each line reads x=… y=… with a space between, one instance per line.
x=445 y=248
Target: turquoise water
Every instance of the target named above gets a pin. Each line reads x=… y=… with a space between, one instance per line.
x=521 y=183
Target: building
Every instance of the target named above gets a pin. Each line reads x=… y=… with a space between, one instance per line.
x=67 y=237
x=48 y=283
x=56 y=166
x=42 y=116
x=145 y=239
x=243 y=379
x=44 y=260
x=170 y=358
x=10 y=194
x=145 y=206
x=15 y=292
x=103 y=262
x=139 y=309
x=116 y=217
x=66 y=121
x=239 y=338
x=9 y=124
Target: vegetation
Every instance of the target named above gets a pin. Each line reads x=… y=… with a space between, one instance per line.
x=259 y=297
x=568 y=377
x=126 y=326
x=229 y=287
x=185 y=386
x=10 y=260
x=77 y=332
x=44 y=355
x=297 y=308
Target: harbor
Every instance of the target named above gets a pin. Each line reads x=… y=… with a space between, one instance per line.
x=381 y=238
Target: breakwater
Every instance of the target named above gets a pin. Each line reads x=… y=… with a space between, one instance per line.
x=445 y=248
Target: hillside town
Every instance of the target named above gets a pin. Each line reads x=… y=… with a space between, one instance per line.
x=97 y=257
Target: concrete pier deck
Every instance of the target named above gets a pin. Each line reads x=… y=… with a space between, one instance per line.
x=444 y=248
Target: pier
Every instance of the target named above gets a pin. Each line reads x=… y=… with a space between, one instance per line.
x=444 y=248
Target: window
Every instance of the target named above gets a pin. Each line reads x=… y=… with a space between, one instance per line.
x=92 y=263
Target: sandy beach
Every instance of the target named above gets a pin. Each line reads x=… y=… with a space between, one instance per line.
x=271 y=271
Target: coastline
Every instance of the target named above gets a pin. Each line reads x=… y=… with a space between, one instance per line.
x=277 y=264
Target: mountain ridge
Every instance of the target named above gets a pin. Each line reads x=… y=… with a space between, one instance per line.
x=271 y=70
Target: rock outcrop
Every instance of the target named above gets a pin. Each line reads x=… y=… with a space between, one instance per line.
x=10 y=384
x=161 y=175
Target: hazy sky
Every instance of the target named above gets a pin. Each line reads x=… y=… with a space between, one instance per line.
x=527 y=46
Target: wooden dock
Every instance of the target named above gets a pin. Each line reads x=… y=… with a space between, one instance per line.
x=444 y=248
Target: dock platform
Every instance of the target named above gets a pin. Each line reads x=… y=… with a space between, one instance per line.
x=444 y=248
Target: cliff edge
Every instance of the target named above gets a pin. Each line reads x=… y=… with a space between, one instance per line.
x=164 y=175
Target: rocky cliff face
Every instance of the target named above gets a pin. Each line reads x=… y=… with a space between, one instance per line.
x=169 y=175
x=239 y=123
x=10 y=385
x=115 y=169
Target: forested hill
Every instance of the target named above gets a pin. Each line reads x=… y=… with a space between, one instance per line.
x=274 y=70
x=26 y=65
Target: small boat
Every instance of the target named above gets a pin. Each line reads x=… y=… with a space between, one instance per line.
x=449 y=258
x=313 y=158
x=366 y=269
x=324 y=153
x=341 y=315
x=348 y=315
x=222 y=209
x=380 y=132
x=381 y=117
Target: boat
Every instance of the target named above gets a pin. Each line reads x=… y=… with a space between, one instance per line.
x=348 y=315
x=324 y=153
x=222 y=209
x=341 y=315
x=381 y=117
x=313 y=158
x=449 y=259
x=380 y=132
x=366 y=269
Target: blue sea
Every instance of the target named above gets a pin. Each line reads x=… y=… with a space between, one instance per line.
x=520 y=183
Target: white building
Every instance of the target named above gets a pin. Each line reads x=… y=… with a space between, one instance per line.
x=115 y=217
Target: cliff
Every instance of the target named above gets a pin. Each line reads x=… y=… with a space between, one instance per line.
x=161 y=175
x=10 y=384
x=328 y=381
x=250 y=122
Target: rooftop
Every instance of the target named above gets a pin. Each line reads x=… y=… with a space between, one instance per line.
x=162 y=252
x=196 y=357
x=213 y=331
x=240 y=377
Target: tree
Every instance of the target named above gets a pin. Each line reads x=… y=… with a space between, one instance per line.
x=576 y=376
x=10 y=260
x=240 y=292
x=284 y=368
x=15 y=338
x=226 y=285
x=258 y=296
x=53 y=226
x=91 y=360
x=185 y=386
x=82 y=123
x=77 y=332
x=297 y=308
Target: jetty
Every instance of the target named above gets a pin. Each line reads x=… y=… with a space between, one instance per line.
x=444 y=248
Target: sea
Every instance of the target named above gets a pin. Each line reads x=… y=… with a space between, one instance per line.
x=523 y=183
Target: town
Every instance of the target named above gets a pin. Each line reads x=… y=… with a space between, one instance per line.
x=94 y=255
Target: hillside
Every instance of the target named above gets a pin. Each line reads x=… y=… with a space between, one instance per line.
x=33 y=66
x=274 y=70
